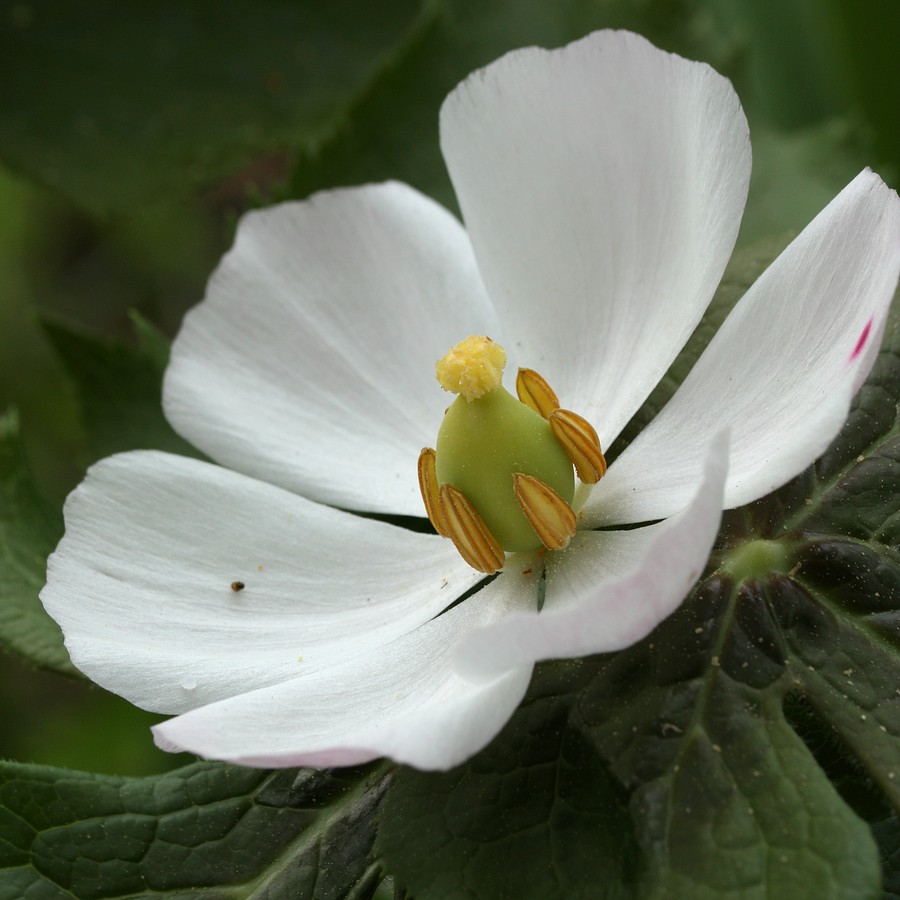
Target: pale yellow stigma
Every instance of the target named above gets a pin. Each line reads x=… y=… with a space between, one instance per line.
x=473 y=368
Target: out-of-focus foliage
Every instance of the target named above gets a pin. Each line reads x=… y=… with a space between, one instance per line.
x=114 y=103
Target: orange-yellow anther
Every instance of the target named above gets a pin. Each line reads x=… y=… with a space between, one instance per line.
x=428 y=485
x=471 y=537
x=534 y=392
x=551 y=517
x=581 y=444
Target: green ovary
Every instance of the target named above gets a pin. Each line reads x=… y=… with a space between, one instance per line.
x=482 y=442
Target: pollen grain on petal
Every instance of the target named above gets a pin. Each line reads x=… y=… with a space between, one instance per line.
x=534 y=392
x=428 y=485
x=581 y=443
x=471 y=537
x=551 y=517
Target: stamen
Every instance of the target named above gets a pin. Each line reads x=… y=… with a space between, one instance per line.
x=471 y=537
x=581 y=443
x=535 y=393
x=473 y=368
x=551 y=517
x=428 y=485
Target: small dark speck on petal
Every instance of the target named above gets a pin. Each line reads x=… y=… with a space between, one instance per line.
x=237 y=586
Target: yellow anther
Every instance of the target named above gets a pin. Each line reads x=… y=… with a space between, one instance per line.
x=581 y=444
x=534 y=392
x=551 y=517
x=473 y=368
x=471 y=537
x=428 y=485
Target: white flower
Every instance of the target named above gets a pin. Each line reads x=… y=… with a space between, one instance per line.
x=602 y=187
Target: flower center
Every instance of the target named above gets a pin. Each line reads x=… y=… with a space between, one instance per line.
x=501 y=479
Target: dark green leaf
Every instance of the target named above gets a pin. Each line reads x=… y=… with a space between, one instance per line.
x=841 y=612
x=29 y=530
x=152 y=342
x=871 y=54
x=887 y=833
x=221 y=830
x=727 y=800
x=116 y=104
x=120 y=389
x=534 y=815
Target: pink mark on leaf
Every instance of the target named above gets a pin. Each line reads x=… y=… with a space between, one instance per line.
x=862 y=341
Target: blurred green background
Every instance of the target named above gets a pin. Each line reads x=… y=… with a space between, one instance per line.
x=132 y=136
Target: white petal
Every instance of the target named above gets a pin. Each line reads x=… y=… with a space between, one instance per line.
x=602 y=185
x=141 y=581
x=782 y=370
x=607 y=590
x=310 y=363
x=402 y=700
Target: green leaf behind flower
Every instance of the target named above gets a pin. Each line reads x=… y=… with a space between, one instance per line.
x=119 y=387
x=535 y=815
x=887 y=833
x=117 y=104
x=29 y=530
x=211 y=829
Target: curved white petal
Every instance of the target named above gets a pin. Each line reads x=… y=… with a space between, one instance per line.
x=141 y=581
x=607 y=590
x=310 y=363
x=602 y=186
x=402 y=700
x=781 y=371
